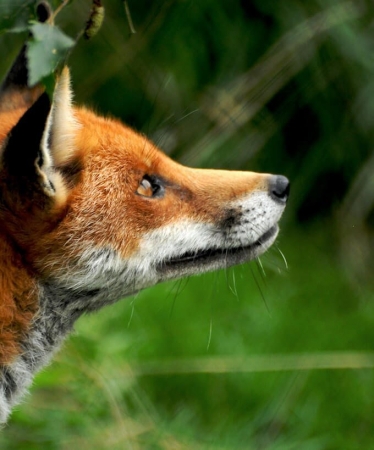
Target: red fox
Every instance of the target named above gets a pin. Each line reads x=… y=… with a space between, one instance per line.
x=91 y=212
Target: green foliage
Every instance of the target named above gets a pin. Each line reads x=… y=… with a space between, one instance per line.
x=15 y=15
x=47 y=46
x=45 y=50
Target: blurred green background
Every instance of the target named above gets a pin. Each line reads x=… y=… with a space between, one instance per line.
x=248 y=358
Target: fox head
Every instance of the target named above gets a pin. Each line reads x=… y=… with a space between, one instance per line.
x=96 y=206
x=91 y=211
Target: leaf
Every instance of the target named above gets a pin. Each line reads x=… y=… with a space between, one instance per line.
x=15 y=14
x=46 y=50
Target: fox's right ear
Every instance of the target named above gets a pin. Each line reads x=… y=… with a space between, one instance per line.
x=25 y=162
x=42 y=142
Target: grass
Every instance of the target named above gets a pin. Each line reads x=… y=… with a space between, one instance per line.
x=224 y=361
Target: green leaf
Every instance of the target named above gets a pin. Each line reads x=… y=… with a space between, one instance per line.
x=15 y=14
x=49 y=83
x=47 y=48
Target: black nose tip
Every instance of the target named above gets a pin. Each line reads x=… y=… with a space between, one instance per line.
x=279 y=188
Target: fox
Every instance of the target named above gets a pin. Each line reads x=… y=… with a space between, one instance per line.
x=91 y=212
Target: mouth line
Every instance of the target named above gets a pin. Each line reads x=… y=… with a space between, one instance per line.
x=226 y=254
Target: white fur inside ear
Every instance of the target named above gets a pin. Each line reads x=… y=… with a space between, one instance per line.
x=62 y=124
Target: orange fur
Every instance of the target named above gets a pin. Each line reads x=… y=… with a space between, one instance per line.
x=18 y=98
x=19 y=301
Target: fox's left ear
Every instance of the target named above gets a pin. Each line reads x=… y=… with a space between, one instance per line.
x=41 y=141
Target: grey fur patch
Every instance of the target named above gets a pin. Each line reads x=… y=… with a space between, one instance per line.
x=59 y=309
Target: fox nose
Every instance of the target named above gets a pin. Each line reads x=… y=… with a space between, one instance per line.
x=279 y=188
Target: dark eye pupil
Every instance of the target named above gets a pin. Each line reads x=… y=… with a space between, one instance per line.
x=155 y=187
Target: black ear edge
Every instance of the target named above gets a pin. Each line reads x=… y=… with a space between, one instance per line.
x=23 y=145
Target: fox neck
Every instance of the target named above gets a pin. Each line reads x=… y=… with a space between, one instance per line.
x=42 y=315
x=19 y=296
x=19 y=299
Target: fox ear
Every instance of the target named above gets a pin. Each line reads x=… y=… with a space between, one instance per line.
x=41 y=142
x=62 y=125
x=26 y=161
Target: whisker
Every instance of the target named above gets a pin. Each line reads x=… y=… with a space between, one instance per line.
x=273 y=265
x=214 y=289
x=167 y=119
x=161 y=88
x=283 y=257
x=179 y=289
x=233 y=289
x=210 y=333
x=259 y=264
x=172 y=287
x=185 y=116
x=226 y=250
x=132 y=310
x=260 y=289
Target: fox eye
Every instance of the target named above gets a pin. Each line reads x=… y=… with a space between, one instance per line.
x=149 y=187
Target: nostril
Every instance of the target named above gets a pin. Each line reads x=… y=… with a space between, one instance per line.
x=279 y=188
